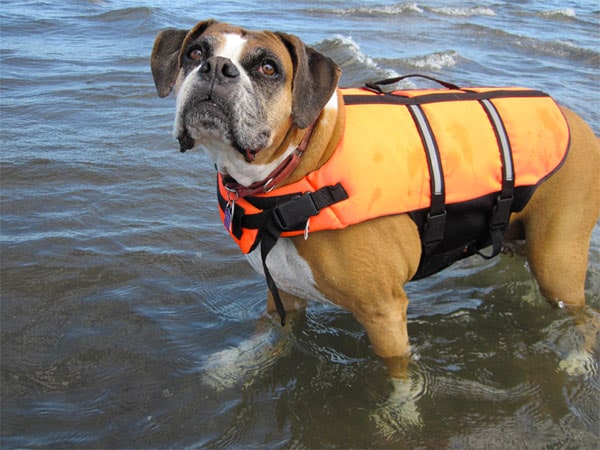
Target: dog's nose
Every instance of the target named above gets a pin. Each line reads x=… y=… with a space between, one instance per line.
x=222 y=69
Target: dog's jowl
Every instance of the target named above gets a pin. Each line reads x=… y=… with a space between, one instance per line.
x=345 y=195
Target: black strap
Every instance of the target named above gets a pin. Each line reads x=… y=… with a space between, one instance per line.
x=289 y=216
x=270 y=235
x=287 y=213
x=292 y=211
x=500 y=214
x=376 y=85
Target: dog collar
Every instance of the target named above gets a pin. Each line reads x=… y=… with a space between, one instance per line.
x=281 y=172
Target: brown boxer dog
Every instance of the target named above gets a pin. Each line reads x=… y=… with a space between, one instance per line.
x=251 y=98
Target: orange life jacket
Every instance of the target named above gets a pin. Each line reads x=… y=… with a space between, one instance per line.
x=423 y=152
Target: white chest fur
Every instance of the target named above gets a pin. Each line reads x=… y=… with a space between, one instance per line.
x=291 y=273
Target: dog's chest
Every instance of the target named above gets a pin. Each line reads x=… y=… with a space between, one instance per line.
x=291 y=272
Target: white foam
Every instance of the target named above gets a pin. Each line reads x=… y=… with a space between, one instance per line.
x=401 y=8
x=465 y=12
x=562 y=12
x=350 y=44
x=356 y=54
x=435 y=61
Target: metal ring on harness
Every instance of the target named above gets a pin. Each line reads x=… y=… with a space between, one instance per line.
x=230 y=195
x=266 y=187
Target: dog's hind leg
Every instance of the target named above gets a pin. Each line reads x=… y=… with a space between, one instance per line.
x=557 y=253
x=558 y=223
x=560 y=217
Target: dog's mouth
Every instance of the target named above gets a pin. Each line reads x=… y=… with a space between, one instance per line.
x=209 y=118
x=201 y=117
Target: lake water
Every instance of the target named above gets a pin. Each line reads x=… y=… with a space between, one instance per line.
x=119 y=285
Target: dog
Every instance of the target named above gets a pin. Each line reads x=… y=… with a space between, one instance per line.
x=267 y=110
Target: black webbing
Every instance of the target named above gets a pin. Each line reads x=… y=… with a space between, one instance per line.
x=376 y=85
x=286 y=213
x=391 y=98
x=500 y=215
x=270 y=235
x=289 y=216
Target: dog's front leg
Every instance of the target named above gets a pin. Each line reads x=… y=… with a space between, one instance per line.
x=363 y=269
x=248 y=359
x=385 y=322
x=387 y=331
x=291 y=303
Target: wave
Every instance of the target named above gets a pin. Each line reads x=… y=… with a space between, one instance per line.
x=434 y=61
x=357 y=67
x=400 y=8
x=564 y=49
x=562 y=13
x=124 y=14
x=464 y=12
x=556 y=48
x=414 y=8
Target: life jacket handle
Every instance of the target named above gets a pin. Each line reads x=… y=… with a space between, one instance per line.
x=376 y=85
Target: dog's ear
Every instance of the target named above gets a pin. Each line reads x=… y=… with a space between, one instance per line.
x=315 y=79
x=165 y=61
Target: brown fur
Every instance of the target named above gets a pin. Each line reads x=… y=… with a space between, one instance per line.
x=361 y=268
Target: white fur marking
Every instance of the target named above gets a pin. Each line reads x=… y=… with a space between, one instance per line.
x=181 y=94
x=332 y=104
x=291 y=273
x=233 y=47
x=230 y=162
x=330 y=107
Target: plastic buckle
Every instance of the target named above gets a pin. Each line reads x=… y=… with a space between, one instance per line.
x=434 y=229
x=295 y=212
x=501 y=212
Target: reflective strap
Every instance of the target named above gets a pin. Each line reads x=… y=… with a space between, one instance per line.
x=433 y=156
x=505 y=150
x=433 y=231
x=500 y=214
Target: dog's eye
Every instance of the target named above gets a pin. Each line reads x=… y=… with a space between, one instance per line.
x=267 y=68
x=196 y=54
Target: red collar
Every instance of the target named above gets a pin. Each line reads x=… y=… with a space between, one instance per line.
x=281 y=172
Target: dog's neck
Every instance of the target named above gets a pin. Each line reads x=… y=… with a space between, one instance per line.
x=277 y=176
x=300 y=152
x=328 y=129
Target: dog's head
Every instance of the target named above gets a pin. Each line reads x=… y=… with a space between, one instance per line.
x=240 y=92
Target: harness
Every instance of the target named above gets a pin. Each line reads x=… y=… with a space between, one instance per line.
x=459 y=161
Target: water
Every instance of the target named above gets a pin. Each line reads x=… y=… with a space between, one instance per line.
x=122 y=294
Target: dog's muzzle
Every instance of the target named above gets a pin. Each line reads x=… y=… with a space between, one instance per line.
x=217 y=100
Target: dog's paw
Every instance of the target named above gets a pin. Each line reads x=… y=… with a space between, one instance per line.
x=400 y=410
x=243 y=363
x=579 y=363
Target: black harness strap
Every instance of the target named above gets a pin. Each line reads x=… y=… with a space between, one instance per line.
x=281 y=214
x=293 y=215
x=375 y=86
x=500 y=215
